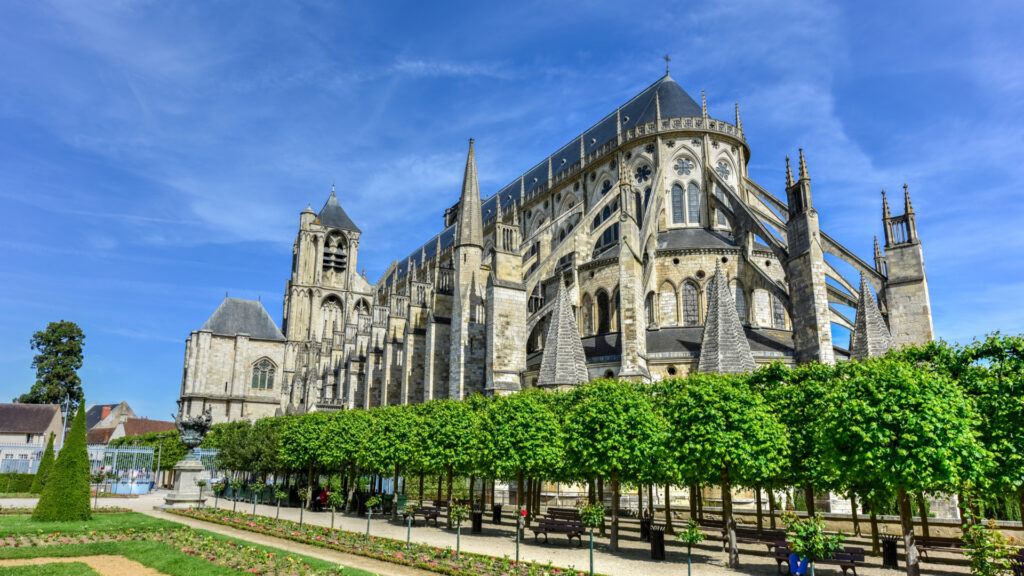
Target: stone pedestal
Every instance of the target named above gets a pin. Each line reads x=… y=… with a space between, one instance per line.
x=186 y=492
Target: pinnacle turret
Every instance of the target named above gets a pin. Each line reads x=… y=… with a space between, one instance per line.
x=885 y=206
x=908 y=208
x=870 y=335
x=739 y=122
x=563 y=362
x=789 y=174
x=470 y=226
x=724 y=347
x=704 y=103
x=803 y=167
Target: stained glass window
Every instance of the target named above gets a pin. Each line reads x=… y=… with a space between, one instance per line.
x=778 y=313
x=677 y=204
x=263 y=375
x=693 y=203
x=689 y=305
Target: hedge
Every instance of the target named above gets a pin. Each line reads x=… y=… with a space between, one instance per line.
x=66 y=494
x=11 y=482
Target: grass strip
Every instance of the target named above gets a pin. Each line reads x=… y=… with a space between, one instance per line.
x=55 y=569
x=20 y=525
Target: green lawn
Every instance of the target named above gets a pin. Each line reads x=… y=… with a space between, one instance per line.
x=17 y=525
x=63 y=569
x=159 y=556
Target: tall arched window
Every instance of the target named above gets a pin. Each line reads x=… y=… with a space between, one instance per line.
x=741 y=302
x=603 y=313
x=693 y=203
x=678 y=206
x=668 y=305
x=649 y=308
x=263 y=374
x=331 y=314
x=690 y=315
x=778 y=313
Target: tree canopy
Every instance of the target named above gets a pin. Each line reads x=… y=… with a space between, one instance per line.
x=59 y=357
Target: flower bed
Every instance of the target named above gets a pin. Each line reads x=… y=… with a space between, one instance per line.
x=238 y=556
x=440 y=560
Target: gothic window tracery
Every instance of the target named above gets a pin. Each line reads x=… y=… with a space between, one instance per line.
x=643 y=173
x=778 y=313
x=684 y=166
x=690 y=313
x=723 y=169
x=263 y=374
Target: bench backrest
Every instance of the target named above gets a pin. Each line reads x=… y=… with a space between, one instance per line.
x=851 y=553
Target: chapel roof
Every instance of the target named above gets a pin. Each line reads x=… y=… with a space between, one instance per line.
x=237 y=316
x=333 y=215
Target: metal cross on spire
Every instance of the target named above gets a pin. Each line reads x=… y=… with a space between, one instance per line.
x=667 y=60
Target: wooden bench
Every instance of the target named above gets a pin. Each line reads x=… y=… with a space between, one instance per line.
x=938 y=544
x=427 y=512
x=750 y=535
x=572 y=529
x=847 y=559
x=563 y=514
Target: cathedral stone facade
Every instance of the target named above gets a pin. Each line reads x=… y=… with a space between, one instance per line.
x=641 y=250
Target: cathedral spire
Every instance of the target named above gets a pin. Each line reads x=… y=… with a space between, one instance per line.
x=789 y=173
x=724 y=347
x=469 y=230
x=803 y=167
x=563 y=362
x=739 y=122
x=885 y=206
x=704 y=104
x=870 y=335
x=908 y=208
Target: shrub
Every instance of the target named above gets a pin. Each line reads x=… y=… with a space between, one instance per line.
x=16 y=482
x=45 y=466
x=66 y=493
x=808 y=539
x=988 y=551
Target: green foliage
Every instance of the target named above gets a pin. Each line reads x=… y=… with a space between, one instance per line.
x=167 y=443
x=692 y=535
x=522 y=434
x=56 y=364
x=459 y=513
x=66 y=493
x=336 y=498
x=453 y=440
x=372 y=502
x=592 y=515
x=336 y=441
x=236 y=447
x=45 y=467
x=396 y=439
x=282 y=494
x=16 y=482
x=719 y=424
x=808 y=539
x=612 y=428
x=892 y=425
x=988 y=551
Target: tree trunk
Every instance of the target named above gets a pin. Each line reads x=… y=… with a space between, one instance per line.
x=440 y=488
x=450 y=498
x=519 y=489
x=961 y=504
x=538 y=491
x=693 y=502
x=668 y=511
x=853 y=512
x=591 y=496
x=809 y=499
x=650 y=501
x=771 y=508
x=700 y=503
x=875 y=546
x=729 y=522
x=907 y=524
x=600 y=499
x=309 y=486
x=421 y=488
x=922 y=511
x=472 y=485
x=394 y=496
x=613 y=542
x=760 y=514
x=640 y=500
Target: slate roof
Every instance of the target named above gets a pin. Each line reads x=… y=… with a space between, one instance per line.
x=333 y=215
x=237 y=316
x=699 y=238
x=27 y=418
x=97 y=412
x=665 y=94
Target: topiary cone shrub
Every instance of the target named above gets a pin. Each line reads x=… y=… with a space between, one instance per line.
x=45 y=467
x=66 y=493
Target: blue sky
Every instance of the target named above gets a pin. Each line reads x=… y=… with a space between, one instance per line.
x=154 y=155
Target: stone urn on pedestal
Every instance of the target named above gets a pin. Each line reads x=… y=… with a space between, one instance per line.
x=191 y=431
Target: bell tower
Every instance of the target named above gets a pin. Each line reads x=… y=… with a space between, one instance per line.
x=906 y=286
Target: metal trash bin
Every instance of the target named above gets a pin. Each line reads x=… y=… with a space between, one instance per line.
x=496 y=513
x=890 y=557
x=657 y=533
x=645 y=528
x=478 y=522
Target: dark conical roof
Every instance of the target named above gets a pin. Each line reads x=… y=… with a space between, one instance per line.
x=236 y=316
x=563 y=362
x=333 y=215
x=724 y=347
x=870 y=335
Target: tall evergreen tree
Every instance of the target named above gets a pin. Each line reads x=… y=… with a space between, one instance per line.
x=56 y=364
x=66 y=494
x=45 y=466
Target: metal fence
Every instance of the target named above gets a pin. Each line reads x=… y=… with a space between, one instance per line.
x=21 y=458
